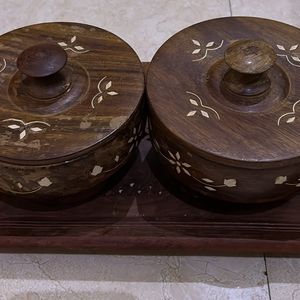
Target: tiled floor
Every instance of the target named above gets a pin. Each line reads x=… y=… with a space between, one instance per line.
x=145 y=25
x=131 y=277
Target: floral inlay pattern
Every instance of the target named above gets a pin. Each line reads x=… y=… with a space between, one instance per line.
x=103 y=91
x=179 y=166
x=289 y=54
x=43 y=182
x=183 y=167
x=72 y=46
x=203 y=50
x=2 y=65
x=98 y=169
x=210 y=185
x=289 y=117
x=284 y=180
x=133 y=143
x=23 y=128
x=199 y=107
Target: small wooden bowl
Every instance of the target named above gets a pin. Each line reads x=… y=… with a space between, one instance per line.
x=225 y=109
x=71 y=109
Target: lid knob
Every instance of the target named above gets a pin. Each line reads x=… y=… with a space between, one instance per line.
x=43 y=65
x=249 y=62
x=250 y=57
x=42 y=60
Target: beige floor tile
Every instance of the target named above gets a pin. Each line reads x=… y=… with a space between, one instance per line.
x=285 y=11
x=284 y=277
x=145 y=25
x=131 y=277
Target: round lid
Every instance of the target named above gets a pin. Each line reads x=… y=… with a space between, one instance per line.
x=229 y=88
x=64 y=87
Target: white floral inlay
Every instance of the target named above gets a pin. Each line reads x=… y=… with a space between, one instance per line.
x=186 y=168
x=289 y=117
x=3 y=65
x=72 y=46
x=24 y=128
x=210 y=185
x=289 y=54
x=44 y=182
x=204 y=49
x=117 y=160
x=97 y=170
x=284 y=180
x=179 y=166
x=199 y=107
x=103 y=91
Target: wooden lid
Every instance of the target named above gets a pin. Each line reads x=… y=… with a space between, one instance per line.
x=229 y=89
x=64 y=88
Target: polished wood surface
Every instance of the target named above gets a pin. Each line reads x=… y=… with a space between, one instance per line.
x=105 y=84
x=146 y=212
x=42 y=65
x=224 y=111
x=42 y=60
x=250 y=57
x=249 y=62
x=175 y=70
x=71 y=109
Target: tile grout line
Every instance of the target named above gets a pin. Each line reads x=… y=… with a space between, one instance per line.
x=230 y=7
x=267 y=274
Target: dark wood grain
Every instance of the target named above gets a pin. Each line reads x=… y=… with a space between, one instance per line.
x=247 y=78
x=146 y=212
x=42 y=65
x=250 y=57
x=42 y=60
x=71 y=109
x=224 y=114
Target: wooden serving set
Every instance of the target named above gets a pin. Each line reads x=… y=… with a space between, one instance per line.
x=215 y=170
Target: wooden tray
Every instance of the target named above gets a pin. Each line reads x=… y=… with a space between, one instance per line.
x=146 y=212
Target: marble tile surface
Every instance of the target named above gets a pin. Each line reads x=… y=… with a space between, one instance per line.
x=284 y=278
x=286 y=11
x=145 y=25
x=131 y=277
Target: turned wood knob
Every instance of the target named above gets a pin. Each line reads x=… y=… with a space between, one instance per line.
x=249 y=62
x=43 y=66
x=42 y=60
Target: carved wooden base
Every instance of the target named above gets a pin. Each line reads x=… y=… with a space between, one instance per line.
x=144 y=211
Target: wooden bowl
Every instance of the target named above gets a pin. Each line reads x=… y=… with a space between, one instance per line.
x=71 y=109
x=225 y=109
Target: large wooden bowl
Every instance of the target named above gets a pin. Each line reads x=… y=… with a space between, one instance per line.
x=71 y=109
x=224 y=98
